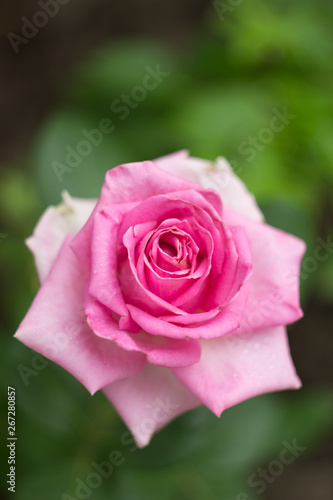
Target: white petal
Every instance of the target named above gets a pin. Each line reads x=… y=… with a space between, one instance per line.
x=218 y=176
x=53 y=227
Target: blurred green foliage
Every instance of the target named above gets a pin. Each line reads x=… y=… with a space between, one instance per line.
x=223 y=90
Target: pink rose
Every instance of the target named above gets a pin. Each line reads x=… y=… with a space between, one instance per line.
x=166 y=294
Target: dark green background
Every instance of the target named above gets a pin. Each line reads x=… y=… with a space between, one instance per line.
x=227 y=74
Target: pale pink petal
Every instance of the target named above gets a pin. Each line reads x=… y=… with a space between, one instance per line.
x=149 y=401
x=233 y=191
x=54 y=225
x=56 y=327
x=274 y=298
x=218 y=176
x=232 y=369
x=184 y=166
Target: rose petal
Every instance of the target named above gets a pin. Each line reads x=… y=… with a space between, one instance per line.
x=215 y=324
x=274 y=298
x=184 y=166
x=149 y=401
x=54 y=225
x=218 y=176
x=158 y=350
x=173 y=288
x=56 y=327
x=236 y=270
x=188 y=205
x=232 y=369
x=104 y=284
x=233 y=191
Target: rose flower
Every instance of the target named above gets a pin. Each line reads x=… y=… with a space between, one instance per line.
x=165 y=294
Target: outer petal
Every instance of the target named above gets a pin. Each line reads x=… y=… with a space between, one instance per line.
x=55 y=326
x=274 y=298
x=184 y=166
x=52 y=228
x=232 y=369
x=218 y=176
x=149 y=401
